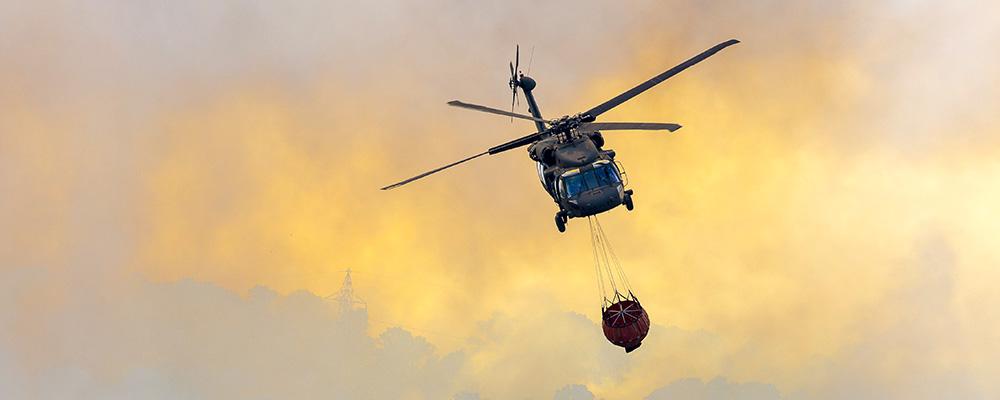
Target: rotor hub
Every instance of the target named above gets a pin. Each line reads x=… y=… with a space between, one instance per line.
x=565 y=124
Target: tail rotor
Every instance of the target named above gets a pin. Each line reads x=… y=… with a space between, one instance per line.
x=514 y=81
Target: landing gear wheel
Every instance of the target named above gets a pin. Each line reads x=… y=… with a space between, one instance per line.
x=628 y=201
x=561 y=222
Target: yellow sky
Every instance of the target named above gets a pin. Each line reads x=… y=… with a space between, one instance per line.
x=823 y=223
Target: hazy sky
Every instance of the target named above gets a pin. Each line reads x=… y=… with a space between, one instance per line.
x=182 y=182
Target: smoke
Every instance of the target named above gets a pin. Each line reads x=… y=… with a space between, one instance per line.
x=718 y=388
x=917 y=330
x=821 y=224
x=574 y=392
x=195 y=340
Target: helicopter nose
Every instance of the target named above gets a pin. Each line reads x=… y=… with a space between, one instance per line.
x=527 y=83
x=598 y=200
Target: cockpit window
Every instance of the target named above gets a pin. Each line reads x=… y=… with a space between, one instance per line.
x=600 y=176
x=590 y=178
x=573 y=185
x=606 y=174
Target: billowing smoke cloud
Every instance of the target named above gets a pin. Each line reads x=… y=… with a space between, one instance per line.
x=175 y=180
x=196 y=340
x=192 y=340
x=716 y=389
x=574 y=392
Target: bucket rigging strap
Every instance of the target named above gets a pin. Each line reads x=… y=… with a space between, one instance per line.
x=607 y=266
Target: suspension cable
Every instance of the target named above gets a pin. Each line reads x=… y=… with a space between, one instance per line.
x=597 y=262
x=607 y=266
x=604 y=257
x=614 y=259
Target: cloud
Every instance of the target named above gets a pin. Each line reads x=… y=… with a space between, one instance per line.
x=573 y=392
x=716 y=389
x=159 y=162
x=136 y=339
x=912 y=340
x=196 y=340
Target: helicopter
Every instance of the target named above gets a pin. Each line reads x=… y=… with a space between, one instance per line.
x=580 y=175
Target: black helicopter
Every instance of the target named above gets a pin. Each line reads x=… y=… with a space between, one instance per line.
x=580 y=175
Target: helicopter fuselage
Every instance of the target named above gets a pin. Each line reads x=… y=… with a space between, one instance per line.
x=580 y=176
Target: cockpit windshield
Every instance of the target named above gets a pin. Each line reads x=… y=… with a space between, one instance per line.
x=601 y=175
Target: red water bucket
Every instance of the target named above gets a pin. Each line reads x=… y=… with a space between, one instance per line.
x=626 y=324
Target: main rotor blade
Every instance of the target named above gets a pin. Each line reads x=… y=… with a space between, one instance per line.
x=401 y=183
x=513 y=144
x=627 y=126
x=530 y=59
x=517 y=57
x=618 y=100
x=456 y=103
